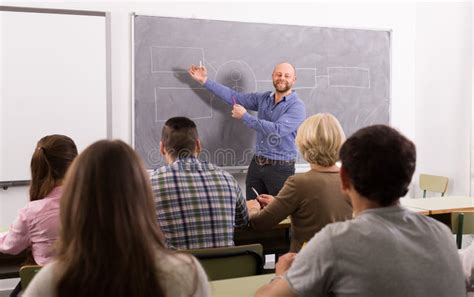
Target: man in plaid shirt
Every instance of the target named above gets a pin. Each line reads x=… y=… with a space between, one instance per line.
x=197 y=204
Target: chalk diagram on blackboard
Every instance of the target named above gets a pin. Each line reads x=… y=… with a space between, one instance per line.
x=172 y=62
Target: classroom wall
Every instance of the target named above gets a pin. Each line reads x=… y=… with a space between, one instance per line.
x=431 y=69
x=472 y=105
x=443 y=92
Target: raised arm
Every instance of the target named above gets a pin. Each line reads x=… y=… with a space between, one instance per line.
x=198 y=73
x=231 y=97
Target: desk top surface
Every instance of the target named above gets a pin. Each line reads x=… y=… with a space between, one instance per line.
x=418 y=210
x=437 y=205
x=239 y=287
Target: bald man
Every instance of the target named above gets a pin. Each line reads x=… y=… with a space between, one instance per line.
x=280 y=112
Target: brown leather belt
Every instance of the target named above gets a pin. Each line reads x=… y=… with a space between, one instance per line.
x=262 y=161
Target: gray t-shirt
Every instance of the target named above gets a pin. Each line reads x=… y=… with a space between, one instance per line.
x=389 y=252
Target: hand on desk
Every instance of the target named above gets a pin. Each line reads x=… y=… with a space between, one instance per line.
x=284 y=263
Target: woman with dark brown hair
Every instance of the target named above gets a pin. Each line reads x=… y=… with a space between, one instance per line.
x=110 y=243
x=37 y=225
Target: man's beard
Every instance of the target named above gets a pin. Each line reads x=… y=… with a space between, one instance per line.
x=283 y=88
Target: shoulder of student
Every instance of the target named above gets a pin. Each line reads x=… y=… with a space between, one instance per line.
x=44 y=283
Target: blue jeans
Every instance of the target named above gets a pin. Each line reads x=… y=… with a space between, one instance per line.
x=268 y=178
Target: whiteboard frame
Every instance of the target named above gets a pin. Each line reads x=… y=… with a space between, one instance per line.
x=5 y=184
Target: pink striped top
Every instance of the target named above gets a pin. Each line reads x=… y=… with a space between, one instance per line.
x=37 y=225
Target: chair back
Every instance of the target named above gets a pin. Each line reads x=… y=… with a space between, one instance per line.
x=433 y=183
x=27 y=273
x=462 y=223
x=230 y=262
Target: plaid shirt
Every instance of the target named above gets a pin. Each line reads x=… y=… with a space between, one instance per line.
x=197 y=204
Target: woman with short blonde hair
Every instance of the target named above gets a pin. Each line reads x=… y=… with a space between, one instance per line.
x=313 y=199
x=320 y=138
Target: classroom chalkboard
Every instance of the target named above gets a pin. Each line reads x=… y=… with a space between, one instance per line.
x=345 y=72
x=54 y=80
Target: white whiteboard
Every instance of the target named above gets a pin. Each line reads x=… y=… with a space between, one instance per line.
x=54 y=80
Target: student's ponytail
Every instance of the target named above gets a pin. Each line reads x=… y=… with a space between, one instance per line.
x=49 y=163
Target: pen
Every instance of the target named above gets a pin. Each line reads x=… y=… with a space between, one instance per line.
x=235 y=102
x=255 y=191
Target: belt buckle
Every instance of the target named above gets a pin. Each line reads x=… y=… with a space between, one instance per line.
x=261 y=161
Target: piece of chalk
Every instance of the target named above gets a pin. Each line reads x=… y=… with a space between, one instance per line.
x=200 y=63
x=255 y=191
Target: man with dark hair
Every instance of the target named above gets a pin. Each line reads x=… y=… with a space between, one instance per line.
x=385 y=250
x=280 y=112
x=197 y=204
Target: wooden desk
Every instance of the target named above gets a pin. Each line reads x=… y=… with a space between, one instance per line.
x=441 y=208
x=440 y=205
x=286 y=223
x=274 y=241
x=239 y=287
x=418 y=210
x=10 y=265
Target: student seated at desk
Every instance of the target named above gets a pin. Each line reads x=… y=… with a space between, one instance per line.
x=197 y=204
x=385 y=250
x=110 y=243
x=37 y=225
x=314 y=198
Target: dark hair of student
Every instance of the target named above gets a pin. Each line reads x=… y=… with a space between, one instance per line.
x=379 y=162
x=110 y=239
x=179 y=137
x=51 y=159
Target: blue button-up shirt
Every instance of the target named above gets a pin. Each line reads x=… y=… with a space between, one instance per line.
x=275 y=124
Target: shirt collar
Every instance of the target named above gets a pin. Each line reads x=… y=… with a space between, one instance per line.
x=56 y=192
x=285 y=98
x=191 y=159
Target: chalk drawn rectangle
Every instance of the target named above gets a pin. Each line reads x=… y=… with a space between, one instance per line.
x=349 y=77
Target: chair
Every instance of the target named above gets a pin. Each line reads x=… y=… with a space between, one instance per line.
x=461 y=223
x=433 y=183
x=230 y=262
x=27 y=273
